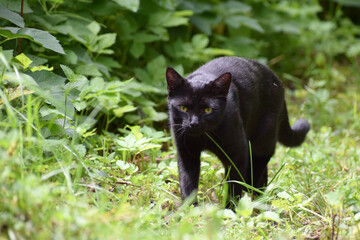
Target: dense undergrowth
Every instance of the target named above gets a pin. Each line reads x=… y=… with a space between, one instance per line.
x=85 y=150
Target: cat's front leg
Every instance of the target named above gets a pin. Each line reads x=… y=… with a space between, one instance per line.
x=189 y=170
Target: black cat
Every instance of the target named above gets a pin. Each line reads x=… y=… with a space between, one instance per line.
x=221 y=107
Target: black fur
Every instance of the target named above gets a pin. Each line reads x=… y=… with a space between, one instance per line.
x=247 y=104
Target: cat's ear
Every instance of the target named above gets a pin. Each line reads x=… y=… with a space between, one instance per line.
x=221 y=85
x=174 y=80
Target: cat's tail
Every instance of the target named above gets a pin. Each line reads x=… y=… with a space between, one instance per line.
x=292 y=136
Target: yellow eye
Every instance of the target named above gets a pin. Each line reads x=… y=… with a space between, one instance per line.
x=183 y=108
x=208 y=110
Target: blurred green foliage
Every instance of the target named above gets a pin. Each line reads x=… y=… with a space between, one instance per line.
x=108 y=42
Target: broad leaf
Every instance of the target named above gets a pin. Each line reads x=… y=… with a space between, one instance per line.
x=68 y=72
x=11 y=16
x=234 y=7
x=88 y=70
x=269 y=215
x=119 y=112
x=335 y=199
x=145 y=37
x=245 y=206
x=94 y=27
x=41 y=37
x=137 y=49
x=238 y=20
x=200 y=41
x=8 y=33
x=105 y=41
x=175 y=20
x=132 y=5
x=23 y=60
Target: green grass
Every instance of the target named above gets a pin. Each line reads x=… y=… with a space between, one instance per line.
x=97 y=187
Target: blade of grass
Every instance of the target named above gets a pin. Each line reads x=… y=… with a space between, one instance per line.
x=277 y=173
x=251 y=166
x=227 y=156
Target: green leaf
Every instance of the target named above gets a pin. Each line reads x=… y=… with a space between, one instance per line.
x=234 y=7
x=197 y=6
x=238 y=20
x=169 y=19
x=158 y=18
x=88 y=70
x=43 y=38
x=145 y=37
x=25 y=79
x=127 y=143
x=155 y=68
x=184 y=13
x=137 y=49
x=23 y=60
x=127 y=167
x=335 y=198
x=108 y=61
x=6 y=56
x=11 y=16
x=94 y=27
x=80 y=149
x=245 y=206
x=26 y=62
x=41 y=68
x=119 y=112
x=174 y=21
x=104 y=41
x=353 y=50
x=7 y=33
x=97 y=83
x=51 y=87
x=148 y=146
x=285 y=195
x=228 y=214
x=80 y=105
x=136 y=131
x=203 y=23
x=122 y=164
x=68 y=72
x=218 y=51
x=161 y=32
x=272 y=216
x=70 y=57
x=200 y=41
x=132 y=5
x=288 y=27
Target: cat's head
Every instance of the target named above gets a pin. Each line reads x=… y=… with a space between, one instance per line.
x=196 y=106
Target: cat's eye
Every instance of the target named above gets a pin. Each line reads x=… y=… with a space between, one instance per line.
x=183 y=108
x=208 y=110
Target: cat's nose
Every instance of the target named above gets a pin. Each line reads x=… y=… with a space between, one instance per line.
x=194 y=122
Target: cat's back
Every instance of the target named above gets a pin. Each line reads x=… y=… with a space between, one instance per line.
x=226 y=64
x=244 y=71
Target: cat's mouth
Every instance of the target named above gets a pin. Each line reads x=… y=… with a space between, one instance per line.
x=194 y=131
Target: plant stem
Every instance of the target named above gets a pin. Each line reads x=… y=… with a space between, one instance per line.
x=22 y=14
